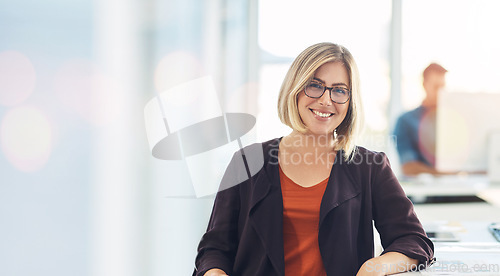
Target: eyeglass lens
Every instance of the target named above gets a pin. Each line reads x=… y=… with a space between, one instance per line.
x=337 y=94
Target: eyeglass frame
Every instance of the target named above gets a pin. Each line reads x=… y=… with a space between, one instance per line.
x=330 y=90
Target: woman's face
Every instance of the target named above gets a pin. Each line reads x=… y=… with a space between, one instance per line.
x=322 y=115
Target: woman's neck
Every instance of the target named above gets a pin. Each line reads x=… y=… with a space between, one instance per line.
x=306 y=142
x=307 y=158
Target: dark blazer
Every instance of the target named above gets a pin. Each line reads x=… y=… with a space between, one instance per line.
x=245 y=231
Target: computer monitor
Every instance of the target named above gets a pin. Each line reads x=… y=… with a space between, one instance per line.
x=466 y=123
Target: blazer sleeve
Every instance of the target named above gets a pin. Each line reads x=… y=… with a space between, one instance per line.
x=218 y=245
x=395 y=219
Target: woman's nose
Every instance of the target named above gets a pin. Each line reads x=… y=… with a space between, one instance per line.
x=326 y=99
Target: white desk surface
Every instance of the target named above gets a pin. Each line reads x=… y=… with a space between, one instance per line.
x=453 y=185
x=466 y=211
x=477 y=252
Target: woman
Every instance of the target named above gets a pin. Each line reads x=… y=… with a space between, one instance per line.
x=309 y=210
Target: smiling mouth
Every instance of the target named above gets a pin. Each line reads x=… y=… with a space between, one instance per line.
x=321 y=114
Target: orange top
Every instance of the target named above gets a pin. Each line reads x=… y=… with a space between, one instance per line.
x=300 y=227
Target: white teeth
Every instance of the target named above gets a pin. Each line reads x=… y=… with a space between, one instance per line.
x=324 y=115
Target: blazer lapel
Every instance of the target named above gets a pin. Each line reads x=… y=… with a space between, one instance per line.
x=340 y=188
x=266 y=211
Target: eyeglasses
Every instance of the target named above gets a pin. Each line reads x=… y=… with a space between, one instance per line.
x=338 y=94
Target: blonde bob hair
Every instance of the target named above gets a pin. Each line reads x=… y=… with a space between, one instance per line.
x=301 y=72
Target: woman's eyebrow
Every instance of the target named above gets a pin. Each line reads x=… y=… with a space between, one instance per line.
x=335 y=84
x=319 y=80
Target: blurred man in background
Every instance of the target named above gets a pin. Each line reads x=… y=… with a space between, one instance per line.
x=416 y=129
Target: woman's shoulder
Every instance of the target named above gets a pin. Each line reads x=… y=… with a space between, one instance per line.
x=264 y=150
x=253 y=157
x=364 y=151
x=366 y=157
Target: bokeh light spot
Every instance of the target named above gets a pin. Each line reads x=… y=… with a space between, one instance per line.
x=26 y=137
x=176 y=68
x=83 y=90
x=17 y=78
x=239 y=99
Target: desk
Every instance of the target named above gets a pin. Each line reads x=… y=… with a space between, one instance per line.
x=477 y=253
x=428 y=185
x=423 y=186
x=467 y=211
x=477 y=247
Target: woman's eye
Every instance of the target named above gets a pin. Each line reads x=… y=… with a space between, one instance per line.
x=340 y=90
x=316 y=85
